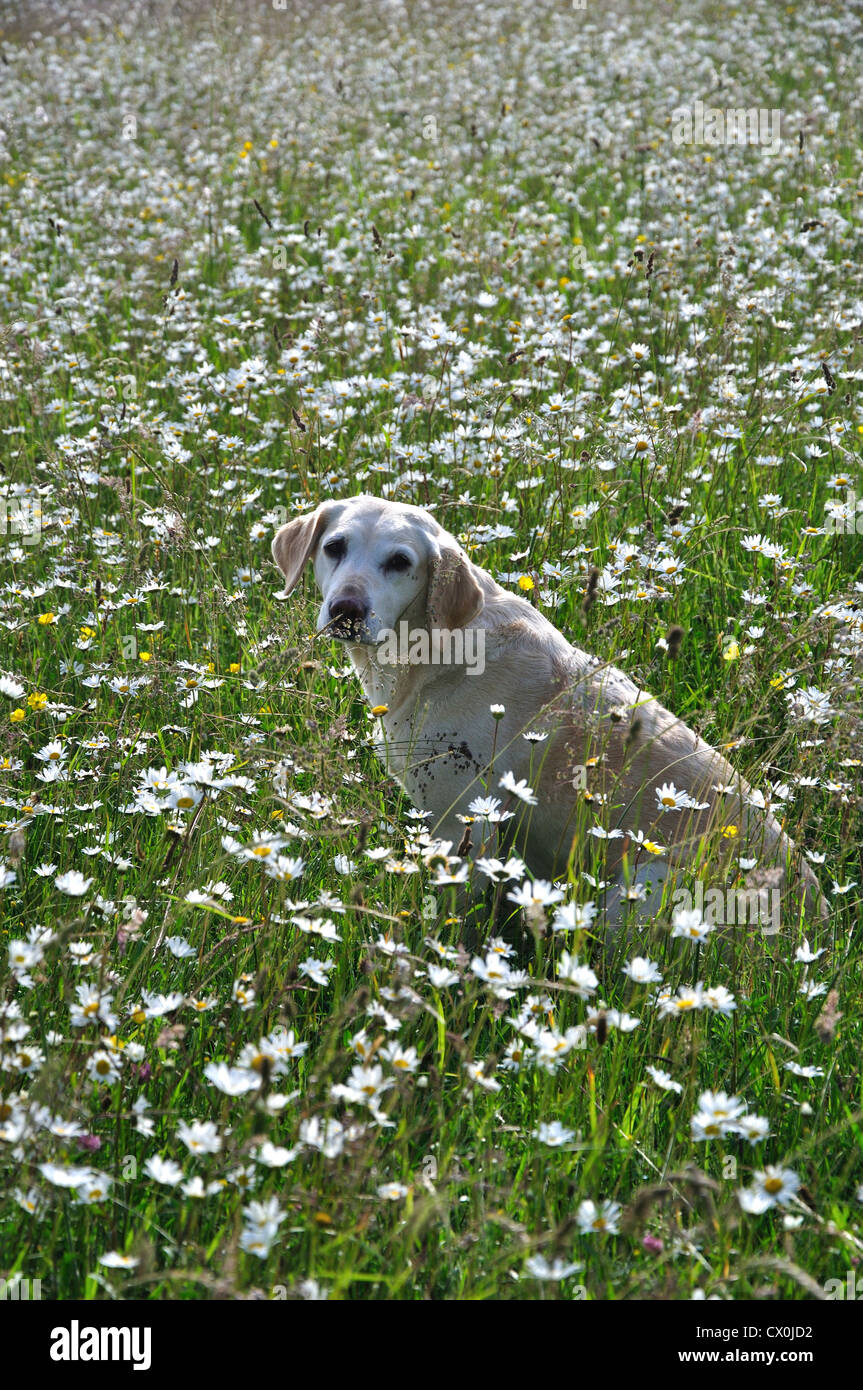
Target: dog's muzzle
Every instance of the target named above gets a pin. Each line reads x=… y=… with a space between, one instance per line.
x=348 y=618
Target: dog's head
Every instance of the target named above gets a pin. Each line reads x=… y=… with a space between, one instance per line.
x=376 y=563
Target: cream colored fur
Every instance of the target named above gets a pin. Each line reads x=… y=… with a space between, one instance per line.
x=440 y=740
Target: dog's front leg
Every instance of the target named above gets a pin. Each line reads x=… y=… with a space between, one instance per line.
x=469 y=898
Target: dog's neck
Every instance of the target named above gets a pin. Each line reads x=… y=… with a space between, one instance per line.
x=379 y=683
x=386 y=685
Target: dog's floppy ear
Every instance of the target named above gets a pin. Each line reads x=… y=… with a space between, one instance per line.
x=294 y=543
x=454 y=595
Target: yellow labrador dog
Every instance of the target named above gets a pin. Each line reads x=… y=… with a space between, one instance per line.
x=595 y=770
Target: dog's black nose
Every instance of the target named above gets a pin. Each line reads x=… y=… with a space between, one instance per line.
x=347 y=615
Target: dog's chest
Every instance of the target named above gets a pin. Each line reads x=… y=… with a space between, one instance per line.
x=437 y=766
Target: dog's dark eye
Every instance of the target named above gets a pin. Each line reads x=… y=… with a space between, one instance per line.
x=335 y=549
x=398 y=562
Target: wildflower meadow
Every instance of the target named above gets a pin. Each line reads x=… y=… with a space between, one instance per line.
x=584 y=280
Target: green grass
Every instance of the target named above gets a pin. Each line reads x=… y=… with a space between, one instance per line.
x=550 y=139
